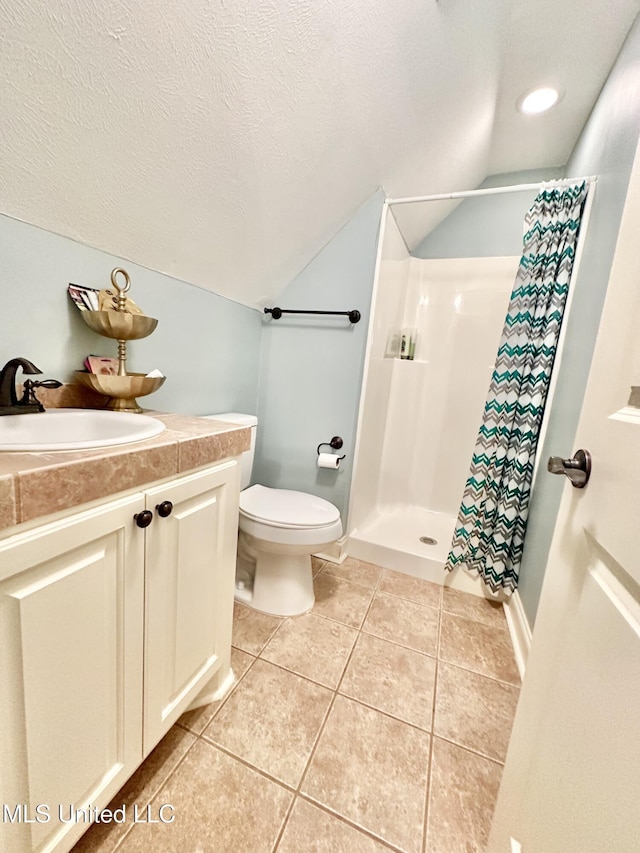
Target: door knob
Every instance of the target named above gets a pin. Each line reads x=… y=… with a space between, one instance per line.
x=577 y=469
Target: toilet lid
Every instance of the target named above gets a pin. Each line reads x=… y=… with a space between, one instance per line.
x=286 y=508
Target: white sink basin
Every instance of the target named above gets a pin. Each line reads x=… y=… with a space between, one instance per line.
x=74 y=429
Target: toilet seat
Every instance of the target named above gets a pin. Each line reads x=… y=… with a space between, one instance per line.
x=286 y=508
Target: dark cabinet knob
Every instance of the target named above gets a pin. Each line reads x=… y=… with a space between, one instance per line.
x=164 y=509
x=144 y=518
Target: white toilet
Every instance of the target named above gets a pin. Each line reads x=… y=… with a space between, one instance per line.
x=279 y=530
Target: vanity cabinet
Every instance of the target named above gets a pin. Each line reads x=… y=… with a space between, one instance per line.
x=190 y=558
x=108 y=632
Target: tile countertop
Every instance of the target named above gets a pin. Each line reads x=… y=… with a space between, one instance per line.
x=33 y=485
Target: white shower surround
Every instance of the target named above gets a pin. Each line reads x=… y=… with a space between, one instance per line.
x=419 y=419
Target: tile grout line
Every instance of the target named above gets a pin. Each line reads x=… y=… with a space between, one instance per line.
x=361 y=631
x=470 y=667
x=312 y=753
x=265 y=775
x=498 y=623
x=386 y=714
x=297 y=674
x=296 y=791
x=399 y=645
x=470 y=751
x=223 y=701
x=291 y=789
x=307 y=798
x=482 y=674
x=318 y=737
x=435 y=696
x=427 y=793
x=161 y=785
x=285 y=822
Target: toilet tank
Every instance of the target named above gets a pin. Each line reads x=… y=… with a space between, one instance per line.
x=246 y=458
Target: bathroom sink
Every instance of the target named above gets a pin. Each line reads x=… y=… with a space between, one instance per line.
x=74 y=429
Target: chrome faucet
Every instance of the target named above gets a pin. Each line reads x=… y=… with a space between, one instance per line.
x=9 y=403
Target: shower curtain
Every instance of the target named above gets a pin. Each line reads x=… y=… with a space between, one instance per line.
x=492 y=519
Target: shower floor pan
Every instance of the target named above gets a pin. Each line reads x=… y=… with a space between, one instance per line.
x=392 y=539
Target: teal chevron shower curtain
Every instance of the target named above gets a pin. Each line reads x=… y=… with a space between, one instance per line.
x=492 y=519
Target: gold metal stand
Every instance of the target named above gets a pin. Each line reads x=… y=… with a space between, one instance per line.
x=122 y=327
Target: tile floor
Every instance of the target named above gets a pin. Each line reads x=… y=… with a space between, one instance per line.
x=378 y=721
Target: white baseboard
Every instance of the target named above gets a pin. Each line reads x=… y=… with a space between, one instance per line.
x=519 y=630
x=336 y=552
x=213 y=692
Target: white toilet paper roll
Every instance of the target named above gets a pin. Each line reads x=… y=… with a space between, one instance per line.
x=328 y=460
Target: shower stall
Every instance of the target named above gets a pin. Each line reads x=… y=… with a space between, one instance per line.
x=419 y=416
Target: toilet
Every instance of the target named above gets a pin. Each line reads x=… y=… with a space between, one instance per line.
x=278 y=531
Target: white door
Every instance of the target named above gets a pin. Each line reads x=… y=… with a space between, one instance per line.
x=571 y=782
x=71 y=599
x=190 y=570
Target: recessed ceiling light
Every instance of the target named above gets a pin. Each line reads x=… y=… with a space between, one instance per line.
x=538 y=100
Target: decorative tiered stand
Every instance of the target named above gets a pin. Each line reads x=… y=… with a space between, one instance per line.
x=121 y=326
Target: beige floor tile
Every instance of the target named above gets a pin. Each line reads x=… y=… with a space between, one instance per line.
x=356 y=571
x=219 y=805
x=317 y=565
x=403 y=622
x=463 y=792
x=482 y=648
x=474 y=607
x=474 y=711
x=415 y=589
x=371 y=769
x=341 y=600
x=311 y=830
x=312 y=646
x=392 y=679
x=198 y=719
x=272 y=721
x=139 y=790
x=252 y=630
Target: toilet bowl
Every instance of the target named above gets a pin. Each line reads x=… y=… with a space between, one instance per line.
x=278 y=531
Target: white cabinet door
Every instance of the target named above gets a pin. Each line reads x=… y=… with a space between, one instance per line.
x=190 y=569
x=71 y=633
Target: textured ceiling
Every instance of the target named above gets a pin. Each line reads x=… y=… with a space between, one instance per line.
x=225 y=141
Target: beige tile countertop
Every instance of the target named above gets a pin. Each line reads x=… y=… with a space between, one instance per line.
x=33 y=485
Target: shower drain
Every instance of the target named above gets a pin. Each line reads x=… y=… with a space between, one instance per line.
x=428 y=540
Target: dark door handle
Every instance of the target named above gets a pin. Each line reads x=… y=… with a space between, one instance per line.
x=577 y=469
x=144 y=518
x=164 y=509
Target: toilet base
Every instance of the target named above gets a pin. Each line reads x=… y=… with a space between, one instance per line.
x=282 y=585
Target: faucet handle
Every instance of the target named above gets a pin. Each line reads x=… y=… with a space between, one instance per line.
x=29 y=386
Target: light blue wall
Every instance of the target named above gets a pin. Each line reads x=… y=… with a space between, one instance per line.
x=486 y=226
x=606 y=148
x=311 y=368
x=207 y=346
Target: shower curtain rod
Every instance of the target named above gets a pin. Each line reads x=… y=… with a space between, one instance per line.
x=516 y=188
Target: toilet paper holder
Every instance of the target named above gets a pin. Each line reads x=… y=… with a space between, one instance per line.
x=335 y=443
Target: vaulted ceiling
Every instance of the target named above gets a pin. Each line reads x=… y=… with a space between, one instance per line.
x=225 y=141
